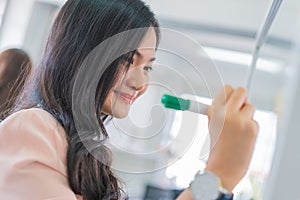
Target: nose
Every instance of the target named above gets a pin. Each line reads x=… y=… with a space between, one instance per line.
x=137 y=79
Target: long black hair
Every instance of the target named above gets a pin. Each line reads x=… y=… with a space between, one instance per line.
x=79 y=27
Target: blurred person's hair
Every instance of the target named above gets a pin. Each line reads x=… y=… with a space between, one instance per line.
x=15 y=67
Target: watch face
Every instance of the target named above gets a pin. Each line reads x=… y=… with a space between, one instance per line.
x=205 y=186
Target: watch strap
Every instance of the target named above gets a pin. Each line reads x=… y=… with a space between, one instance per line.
x=206 y=185
x=225 y=196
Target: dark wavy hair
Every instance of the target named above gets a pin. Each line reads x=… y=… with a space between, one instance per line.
x=79 y=27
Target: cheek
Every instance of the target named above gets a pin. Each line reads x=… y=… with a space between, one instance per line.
x=106 y=108
x=141 y=92
x=145 y=86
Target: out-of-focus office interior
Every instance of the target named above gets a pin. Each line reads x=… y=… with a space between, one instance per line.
x=226 y=30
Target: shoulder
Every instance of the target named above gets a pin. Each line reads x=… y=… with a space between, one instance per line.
x=35 y=131
x=33 y=150
x=31 y=120
x=31 y=115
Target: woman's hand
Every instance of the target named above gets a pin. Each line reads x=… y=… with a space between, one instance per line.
x=233 y=133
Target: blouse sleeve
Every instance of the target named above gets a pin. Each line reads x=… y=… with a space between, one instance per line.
x=32 y=158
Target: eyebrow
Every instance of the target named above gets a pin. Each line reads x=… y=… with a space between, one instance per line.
x=141 y=56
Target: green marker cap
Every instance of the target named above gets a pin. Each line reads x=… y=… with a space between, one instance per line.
x=175 y=102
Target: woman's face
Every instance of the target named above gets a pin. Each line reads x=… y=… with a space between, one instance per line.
x=135 y=82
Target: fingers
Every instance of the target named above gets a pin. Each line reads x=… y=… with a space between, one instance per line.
x=220 y=99
x=249 y=110
x=237 y=99
x=223 y=95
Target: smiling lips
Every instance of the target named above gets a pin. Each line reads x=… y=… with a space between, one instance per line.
x=126 y=97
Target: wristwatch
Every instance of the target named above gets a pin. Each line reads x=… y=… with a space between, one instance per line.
x=207 y=186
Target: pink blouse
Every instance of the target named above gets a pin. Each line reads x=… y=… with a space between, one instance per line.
x=33 y=150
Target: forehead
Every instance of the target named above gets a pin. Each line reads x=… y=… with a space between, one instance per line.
x=148 y=44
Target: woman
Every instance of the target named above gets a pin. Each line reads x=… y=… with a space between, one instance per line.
x=43 y=155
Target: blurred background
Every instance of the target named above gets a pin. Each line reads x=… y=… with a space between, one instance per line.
x=226 y=31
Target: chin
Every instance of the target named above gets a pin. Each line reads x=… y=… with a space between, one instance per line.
x=121 y=113
x=120 y=109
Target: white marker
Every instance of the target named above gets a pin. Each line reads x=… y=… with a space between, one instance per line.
x=184 y=104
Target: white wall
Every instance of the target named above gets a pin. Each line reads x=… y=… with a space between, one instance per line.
x=38 y=27
x=241 y=15
x=283 y=182
x=15 y=23
x=26 y=25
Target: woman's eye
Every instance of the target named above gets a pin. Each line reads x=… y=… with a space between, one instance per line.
x=148 y=68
